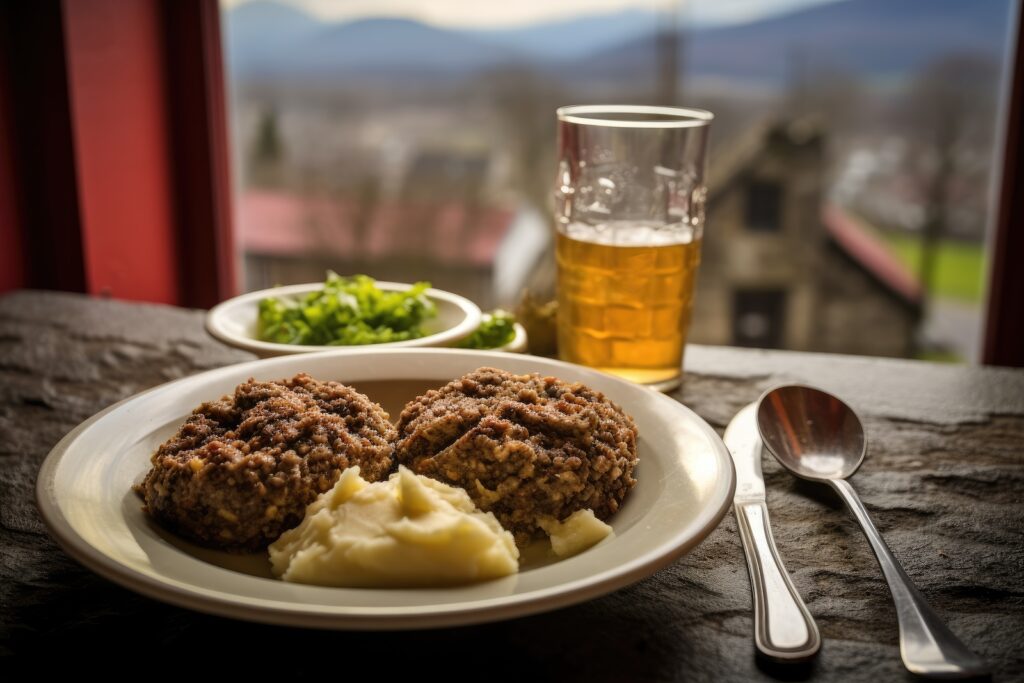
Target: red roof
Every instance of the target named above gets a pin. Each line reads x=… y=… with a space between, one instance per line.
x=275 y=222
x=871 y=253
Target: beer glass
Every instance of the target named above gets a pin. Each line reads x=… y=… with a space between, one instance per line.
x=629 y=208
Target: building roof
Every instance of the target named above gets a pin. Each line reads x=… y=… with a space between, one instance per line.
x=279 y=222
x=733 y=161
x=870 y=252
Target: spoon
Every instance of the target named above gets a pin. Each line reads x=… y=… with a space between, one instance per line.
x=816 y=436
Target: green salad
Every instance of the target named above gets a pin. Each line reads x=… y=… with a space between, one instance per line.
x=346 y=312
x=496 y=329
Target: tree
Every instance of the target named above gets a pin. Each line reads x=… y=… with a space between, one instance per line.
x=266 y=157
x=950 y=113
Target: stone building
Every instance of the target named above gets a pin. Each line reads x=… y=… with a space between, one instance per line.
x=781 y=268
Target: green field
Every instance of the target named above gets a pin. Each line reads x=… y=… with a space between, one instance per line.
x=959 y=267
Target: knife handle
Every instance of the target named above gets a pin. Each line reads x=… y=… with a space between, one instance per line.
x=783 y=628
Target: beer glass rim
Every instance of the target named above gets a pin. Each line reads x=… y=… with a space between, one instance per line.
x=606 y=115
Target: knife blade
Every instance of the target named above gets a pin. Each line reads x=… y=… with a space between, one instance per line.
x=783 y=627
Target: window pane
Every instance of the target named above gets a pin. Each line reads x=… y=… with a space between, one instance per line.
x=851 y=161
x=759 y=318
x=764 y=206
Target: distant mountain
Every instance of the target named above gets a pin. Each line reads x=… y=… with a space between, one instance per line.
x=871 y=38
x=257 y=33
x=573 y=38
x=875 y=39
x=267 y=38
x=273 y=41
x=394 y=45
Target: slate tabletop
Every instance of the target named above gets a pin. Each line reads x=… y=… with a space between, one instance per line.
x=943 y=480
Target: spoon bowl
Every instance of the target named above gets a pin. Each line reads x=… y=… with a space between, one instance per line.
x=816 y=436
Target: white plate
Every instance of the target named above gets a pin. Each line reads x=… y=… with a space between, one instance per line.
x=684 y=485
x=234 y=321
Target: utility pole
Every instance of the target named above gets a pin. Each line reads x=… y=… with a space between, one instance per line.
x=668 y=45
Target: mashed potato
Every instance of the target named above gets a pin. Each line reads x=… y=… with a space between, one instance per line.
x=577 y=533
x=407 y=531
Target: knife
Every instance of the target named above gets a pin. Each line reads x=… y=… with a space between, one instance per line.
x=783 y=628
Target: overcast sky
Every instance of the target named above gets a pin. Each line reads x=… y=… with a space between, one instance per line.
x=509 y=13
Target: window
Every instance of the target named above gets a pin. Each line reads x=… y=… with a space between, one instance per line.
x=764 y=206
x=419 y=145
x=759 y=318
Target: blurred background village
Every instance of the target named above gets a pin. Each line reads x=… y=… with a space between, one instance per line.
x=851 y=170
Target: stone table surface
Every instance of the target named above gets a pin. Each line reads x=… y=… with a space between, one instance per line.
x=944 y=481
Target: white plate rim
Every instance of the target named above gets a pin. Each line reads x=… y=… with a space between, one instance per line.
x=384 y=618
x=472 y=316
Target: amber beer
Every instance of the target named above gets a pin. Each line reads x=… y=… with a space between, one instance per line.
x=624 y=300
x=629 y=212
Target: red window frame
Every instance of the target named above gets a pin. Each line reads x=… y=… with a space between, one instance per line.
x=1004 y=326
x=116 y=179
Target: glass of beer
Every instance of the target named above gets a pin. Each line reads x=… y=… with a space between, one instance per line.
x=629 y=208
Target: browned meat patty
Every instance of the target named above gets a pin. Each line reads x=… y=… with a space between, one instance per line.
x=242 y=470
x=525 y=447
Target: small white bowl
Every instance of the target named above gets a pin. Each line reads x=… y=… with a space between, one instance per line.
x=234 y=321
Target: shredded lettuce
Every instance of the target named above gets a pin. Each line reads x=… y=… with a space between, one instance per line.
x=347 y=311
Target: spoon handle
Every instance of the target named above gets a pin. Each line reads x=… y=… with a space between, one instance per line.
x=927 y=646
